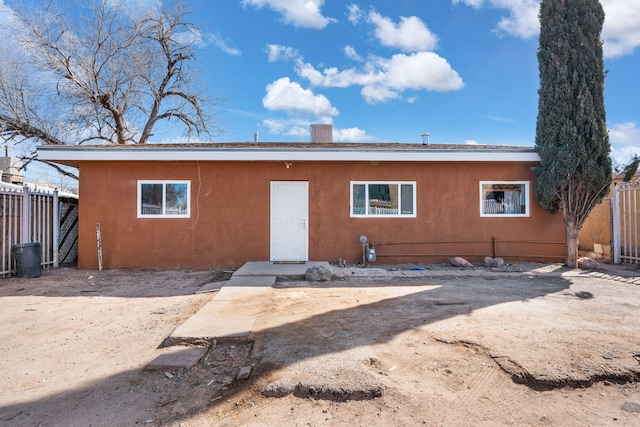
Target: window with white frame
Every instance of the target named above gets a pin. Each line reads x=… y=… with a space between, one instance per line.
x=164 y=199
x=383 y=199
x=504 y=198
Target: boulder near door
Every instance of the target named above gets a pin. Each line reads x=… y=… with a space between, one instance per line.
x=289 y=221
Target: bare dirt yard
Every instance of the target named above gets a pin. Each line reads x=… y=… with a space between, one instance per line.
x=552 y=348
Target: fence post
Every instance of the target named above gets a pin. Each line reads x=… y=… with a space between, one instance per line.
x=615 y=217
x=56 y=227
x=25 y=223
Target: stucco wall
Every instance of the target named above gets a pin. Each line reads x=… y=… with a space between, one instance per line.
x=229 y=221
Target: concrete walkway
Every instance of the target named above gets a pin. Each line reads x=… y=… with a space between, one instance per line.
x=252 y=280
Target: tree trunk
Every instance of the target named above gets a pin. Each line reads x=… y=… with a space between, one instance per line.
x=571 y=239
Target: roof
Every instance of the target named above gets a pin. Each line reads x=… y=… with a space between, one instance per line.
x=287 y=151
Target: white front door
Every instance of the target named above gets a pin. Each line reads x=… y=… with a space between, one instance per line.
x=289 y=220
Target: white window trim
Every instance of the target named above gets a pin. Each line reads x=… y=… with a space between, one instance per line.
x=399 y=215
x=164 y=183
x=526 y=185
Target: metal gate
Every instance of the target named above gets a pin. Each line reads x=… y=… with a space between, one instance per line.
x=626 y=219
x=28 y=216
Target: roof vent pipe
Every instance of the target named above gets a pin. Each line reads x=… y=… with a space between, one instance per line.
x=255 y=137
x=425 y=139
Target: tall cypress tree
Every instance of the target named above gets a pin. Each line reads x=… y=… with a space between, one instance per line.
x=571 y=134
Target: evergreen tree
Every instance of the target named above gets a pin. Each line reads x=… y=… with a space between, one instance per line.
x=571 y=135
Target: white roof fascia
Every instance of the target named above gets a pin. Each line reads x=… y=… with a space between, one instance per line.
x=277 y=154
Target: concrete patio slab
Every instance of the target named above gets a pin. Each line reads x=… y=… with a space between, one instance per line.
x=268 y=268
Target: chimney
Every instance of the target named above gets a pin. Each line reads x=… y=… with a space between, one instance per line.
x=321 y=133
x=255 y=137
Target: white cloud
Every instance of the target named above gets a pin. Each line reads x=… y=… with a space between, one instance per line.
x=621 y=31
x=410 y=35
x=384 y=79
x=221 y=44
x=351 y=53
x=300 y=129
x=278 y=52
x=350 y=135
x=522 y=20
x=299 y=13
x=376 y=94
x=285 y=95
x=625 y=142
x=471 y=142
x=624 y=134
x=355 y=14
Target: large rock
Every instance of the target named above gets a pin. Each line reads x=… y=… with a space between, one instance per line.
x=493 y=262
x=460 y=262
x=588 y=264
x=318 y=274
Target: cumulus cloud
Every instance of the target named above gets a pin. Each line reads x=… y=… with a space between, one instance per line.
x=384 y=79
x=625 y=142
x=350 y=135
x=471 y=142
x=621 y=32
x=624 y=134
x=285 y=95
x=278 y=52
x=351 y=53
x=299 y=13
x=410 y=35
x=522 y=19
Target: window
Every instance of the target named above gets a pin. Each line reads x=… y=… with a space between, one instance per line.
x=383 y=199
x=504 y=199
x=164 y=199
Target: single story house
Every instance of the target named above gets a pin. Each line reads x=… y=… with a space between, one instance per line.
x=218 y=205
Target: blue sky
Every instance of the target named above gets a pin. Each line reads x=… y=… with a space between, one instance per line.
x=464 y=71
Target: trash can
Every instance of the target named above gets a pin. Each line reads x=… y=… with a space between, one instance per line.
x=28 y=259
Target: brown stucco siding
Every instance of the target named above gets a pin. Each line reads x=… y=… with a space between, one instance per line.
x=229 y=222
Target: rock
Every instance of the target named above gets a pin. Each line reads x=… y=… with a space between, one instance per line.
x=493 y=262
x=630 y=407
x=244 y=373
x=460 y=262
x=318 y=274
x=588 y=264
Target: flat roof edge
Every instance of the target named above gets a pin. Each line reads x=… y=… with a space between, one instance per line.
x=79 y=154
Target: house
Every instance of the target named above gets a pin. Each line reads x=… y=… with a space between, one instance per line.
x=217 y=205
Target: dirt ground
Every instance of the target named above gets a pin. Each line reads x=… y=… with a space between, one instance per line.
x=557 y=349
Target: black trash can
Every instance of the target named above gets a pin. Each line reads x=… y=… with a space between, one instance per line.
x=28 y=259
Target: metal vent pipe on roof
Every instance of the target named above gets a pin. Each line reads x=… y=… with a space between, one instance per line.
x=255 y=137
x=425 y=139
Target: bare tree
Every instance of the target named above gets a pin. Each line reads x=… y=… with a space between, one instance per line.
x=99 y=74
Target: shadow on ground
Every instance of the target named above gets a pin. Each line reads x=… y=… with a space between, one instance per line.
x=326 y=342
